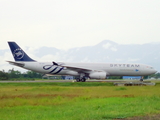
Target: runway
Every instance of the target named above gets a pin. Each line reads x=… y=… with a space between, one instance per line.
x=49 y=81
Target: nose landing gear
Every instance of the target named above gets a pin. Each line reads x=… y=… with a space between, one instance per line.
x=141 y=79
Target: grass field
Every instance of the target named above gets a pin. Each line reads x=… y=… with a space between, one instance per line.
x=76 y=101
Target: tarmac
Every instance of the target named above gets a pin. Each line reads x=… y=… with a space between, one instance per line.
x=49 y=81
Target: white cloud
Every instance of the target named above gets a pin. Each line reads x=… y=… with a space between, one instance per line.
x=85 y=60
x=50 y=57
x=107 y=45
x=119 y=60
x=133 y=60
x=70 y=23
x=7 y=56
x=114 y=49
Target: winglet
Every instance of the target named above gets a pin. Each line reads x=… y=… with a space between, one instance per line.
x=18 y=53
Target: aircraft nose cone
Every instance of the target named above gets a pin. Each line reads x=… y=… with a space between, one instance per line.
x=154 y=71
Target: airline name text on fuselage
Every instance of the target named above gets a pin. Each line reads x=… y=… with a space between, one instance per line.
x=124 y=65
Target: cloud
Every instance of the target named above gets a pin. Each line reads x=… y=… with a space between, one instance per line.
x=133 y=59
x=107 y=45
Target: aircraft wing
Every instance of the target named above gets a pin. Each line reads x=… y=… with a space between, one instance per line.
x=79 y=69
x=16 y=63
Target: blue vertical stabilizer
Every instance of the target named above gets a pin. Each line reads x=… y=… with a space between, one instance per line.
x=18 y=53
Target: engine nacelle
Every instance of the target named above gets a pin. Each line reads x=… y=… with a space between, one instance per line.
x=98 y=75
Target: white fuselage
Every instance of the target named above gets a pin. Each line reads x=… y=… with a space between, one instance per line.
x=111 y=69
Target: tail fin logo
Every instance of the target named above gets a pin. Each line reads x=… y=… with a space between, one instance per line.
x=18 y=53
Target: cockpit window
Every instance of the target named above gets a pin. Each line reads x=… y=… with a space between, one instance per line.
x=149 y=67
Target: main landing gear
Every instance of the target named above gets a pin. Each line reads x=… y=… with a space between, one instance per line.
x=81 y=79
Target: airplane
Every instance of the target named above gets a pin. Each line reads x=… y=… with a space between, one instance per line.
x=81 y=71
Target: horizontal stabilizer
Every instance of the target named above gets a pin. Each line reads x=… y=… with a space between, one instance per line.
x=16 y=63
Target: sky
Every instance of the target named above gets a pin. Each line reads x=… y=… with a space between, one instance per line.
x=65 y=24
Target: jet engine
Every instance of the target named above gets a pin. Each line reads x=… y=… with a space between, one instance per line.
x=98 y=75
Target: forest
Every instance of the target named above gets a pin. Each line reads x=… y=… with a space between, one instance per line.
x=15 y=74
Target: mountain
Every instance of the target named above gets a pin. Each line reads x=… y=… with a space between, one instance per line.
x=105 y=51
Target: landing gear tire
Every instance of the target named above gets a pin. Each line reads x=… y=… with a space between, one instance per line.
x=83 y=80
x=141 y=80
x=78 y=80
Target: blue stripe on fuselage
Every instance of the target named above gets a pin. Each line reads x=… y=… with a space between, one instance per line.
x=58 y=71
x=53 y=70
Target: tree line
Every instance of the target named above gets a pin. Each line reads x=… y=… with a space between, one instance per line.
x=15 y=74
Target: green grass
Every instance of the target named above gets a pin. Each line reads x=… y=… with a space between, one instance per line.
x=76 y=101
x=58 y=84
x=85 y=109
